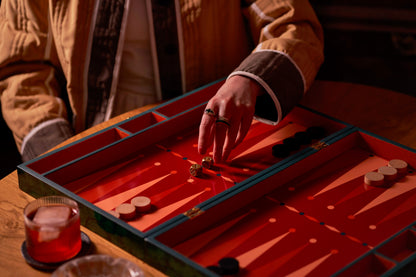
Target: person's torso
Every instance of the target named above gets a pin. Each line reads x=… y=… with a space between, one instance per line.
x=211 y=41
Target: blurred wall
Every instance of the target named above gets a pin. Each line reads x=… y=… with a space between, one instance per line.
x=370 y=42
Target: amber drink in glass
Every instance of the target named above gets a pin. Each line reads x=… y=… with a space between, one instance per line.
x=52 y=227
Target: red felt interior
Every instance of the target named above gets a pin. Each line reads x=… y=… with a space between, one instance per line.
x=77 y=150
x=142 y=122
x=400 y=247
x=316 y=212
x=156 y=164
x=259 y=189
x=125 y=150
x=371 y=265
x=378 y=145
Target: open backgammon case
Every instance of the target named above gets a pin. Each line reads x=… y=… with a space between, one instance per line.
x=307 y=214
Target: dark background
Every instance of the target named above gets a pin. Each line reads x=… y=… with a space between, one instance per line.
x=369 y=42
x=366 y=42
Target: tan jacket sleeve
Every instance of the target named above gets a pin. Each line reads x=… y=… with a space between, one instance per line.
x=288 y=55
x=30 y=92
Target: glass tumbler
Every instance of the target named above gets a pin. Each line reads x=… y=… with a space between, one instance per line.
x=52 y=226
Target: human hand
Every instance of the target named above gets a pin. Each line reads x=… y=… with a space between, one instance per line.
x=227 y=117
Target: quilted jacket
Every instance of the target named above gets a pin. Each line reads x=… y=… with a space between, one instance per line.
x=59 y=59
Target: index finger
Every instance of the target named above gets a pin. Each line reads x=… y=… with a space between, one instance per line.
x=205 y=137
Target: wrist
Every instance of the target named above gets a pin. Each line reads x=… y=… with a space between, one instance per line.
x=248 y=82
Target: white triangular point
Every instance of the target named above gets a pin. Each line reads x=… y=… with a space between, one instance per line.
x=285 y=132
x=148 y=220
x=390 y=193
x=360 y=169
x=305 y=270
x=250 y=256
x=110 y=203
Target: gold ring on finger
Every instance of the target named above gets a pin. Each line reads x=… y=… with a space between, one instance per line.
x=210 y=112
x=223 y=120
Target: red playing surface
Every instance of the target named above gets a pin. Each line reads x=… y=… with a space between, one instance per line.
x=314 y=217
x=316 y=224
x=161 y=172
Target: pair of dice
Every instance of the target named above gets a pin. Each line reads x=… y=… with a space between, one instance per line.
x=196 y=169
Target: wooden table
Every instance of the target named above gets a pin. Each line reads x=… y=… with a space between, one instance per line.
x=383 y=112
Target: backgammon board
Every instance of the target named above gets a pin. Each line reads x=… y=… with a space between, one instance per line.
x=307 y=214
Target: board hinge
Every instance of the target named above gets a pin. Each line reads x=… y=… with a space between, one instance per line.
x=319 y=145
x=194 y=212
